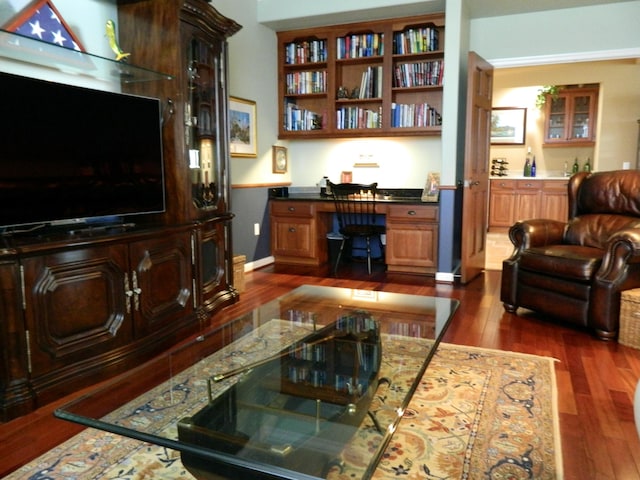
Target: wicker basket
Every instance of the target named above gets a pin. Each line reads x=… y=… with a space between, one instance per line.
x=629 y=334
x=238 y=272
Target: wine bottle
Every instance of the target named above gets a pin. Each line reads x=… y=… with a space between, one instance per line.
x=533 y=167
x=575 y=167
x=587 y=165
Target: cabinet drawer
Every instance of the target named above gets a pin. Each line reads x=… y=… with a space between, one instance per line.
x=293 y=209
x=528 y=185
x=412 y=213
x=503 y=184
x=555 y=185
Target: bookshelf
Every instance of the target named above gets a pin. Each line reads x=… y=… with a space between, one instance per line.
x=379 y=78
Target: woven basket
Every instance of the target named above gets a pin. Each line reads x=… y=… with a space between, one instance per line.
x=629 y=333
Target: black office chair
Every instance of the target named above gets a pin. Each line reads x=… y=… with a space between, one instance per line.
x=356 y=208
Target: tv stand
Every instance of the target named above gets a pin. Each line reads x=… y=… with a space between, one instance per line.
x=107 y=228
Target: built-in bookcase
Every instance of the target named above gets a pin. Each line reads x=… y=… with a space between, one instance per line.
x=380 y=78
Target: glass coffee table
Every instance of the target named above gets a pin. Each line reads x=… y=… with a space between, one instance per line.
x=292 y=389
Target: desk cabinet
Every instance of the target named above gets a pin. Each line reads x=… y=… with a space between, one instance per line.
x=513 y=200
x=412 y=238
x=299 y=234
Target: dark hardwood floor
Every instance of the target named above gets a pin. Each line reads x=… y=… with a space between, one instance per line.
x=596 y=379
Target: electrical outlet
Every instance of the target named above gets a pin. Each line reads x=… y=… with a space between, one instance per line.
x=256 y=229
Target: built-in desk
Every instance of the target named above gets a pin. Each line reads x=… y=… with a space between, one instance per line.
x=300 y=223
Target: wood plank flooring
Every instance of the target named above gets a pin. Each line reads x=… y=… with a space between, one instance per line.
x=596 y=379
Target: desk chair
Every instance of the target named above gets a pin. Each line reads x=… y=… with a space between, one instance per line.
x=356 y=209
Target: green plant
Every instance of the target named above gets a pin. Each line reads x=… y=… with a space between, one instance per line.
x=544 y=91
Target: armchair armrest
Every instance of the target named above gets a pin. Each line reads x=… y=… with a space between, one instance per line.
x=536 y=233
x=623 y=247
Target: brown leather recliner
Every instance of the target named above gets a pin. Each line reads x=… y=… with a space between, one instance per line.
x=575 y=271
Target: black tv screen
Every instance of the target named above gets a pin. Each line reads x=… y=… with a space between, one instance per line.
x=74 y=154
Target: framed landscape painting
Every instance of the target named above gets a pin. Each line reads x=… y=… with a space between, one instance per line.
x=242 y=124
x=508 y=125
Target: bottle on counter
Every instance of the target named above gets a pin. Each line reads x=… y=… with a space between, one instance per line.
x=587 y=165
x=527 y=164
x=533 y=166
x=575 y=167
x=566 y=169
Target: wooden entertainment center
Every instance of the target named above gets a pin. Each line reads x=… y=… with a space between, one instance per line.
x=79 y=306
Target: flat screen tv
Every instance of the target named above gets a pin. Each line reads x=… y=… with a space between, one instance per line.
x=72 y=154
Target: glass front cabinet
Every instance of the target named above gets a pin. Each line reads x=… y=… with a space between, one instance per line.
x=570 y=117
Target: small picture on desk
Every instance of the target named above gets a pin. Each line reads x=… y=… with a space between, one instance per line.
x=431 y=188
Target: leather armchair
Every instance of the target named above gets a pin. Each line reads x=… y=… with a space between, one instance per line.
x=574 y=271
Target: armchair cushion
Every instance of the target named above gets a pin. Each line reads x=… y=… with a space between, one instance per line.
x=595 y=230
x=573 y=262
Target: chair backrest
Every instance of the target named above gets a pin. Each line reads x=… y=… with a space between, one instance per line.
x=355 y=204
x=600 y=204
x=616 y=192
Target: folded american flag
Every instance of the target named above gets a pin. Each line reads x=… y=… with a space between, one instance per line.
x=41 y=20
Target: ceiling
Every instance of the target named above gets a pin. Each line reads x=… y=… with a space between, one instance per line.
x=496 y=8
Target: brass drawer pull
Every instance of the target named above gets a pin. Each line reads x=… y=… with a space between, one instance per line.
x=292 y=229
x=411 y=212
x=292 y=209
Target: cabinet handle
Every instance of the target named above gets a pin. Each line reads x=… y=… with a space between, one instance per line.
x=411 y=212
x=292 y=209
x=292 y=230
x=136 y=291
x=127 y=292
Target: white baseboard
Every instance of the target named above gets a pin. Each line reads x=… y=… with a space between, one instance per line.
x=444 y=277
x=261 y=262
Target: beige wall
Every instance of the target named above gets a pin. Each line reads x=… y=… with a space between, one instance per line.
x=618 y=112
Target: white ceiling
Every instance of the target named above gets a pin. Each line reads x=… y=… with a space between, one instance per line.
x=496 y=8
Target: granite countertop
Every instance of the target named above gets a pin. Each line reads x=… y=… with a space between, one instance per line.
x=387 y=195
x=522 y=177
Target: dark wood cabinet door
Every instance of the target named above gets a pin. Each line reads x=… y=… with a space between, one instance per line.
x=75 y=307
x=161 y=281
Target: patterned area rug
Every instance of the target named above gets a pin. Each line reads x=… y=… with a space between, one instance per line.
x=477 y=414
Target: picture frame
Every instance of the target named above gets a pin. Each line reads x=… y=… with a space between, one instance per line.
x=431 y=189
x=280 y=159
x=243 y=141
x=508 y=125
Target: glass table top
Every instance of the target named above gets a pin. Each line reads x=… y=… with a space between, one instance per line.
x=282 y=391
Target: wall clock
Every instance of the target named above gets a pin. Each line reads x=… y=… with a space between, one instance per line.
x=280 y=160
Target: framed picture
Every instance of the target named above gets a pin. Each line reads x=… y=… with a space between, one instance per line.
x=242 y=124
x=431 y=188
x=508 y=125
x=280 y=159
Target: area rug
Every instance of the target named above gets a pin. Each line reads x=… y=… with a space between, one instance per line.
x=477 y=414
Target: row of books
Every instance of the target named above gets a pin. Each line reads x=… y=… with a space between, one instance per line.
x=416 y=40
x=353 y=117
x=299 y=119
x=358 y=117
x=418 y=74
x=414 y=115
x=306 y=82
x=360 y=45
x=371 y=83
x=312 y=51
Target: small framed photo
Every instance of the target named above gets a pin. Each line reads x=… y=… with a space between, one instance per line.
x=508 y=125
x=431 y=187
x=280 y=159
x=242 y=124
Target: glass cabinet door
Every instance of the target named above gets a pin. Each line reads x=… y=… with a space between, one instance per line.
x=201 y=122
x=580 y=117
x=556 y=118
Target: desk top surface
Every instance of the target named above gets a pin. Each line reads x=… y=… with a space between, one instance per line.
x=281 y=391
